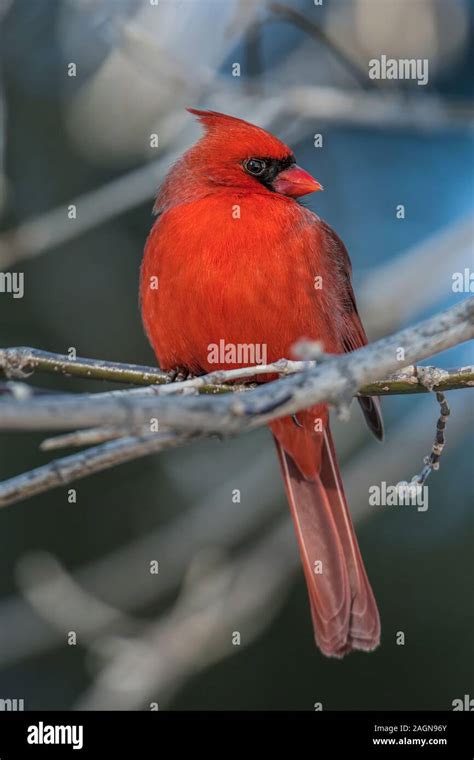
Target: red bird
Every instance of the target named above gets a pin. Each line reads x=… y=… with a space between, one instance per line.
x=239 y=261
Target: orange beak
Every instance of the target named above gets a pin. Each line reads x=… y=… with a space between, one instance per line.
x=295 y=182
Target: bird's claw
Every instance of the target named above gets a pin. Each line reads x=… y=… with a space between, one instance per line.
x=178 y=375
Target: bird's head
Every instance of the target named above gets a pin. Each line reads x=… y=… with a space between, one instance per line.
x=238 y=154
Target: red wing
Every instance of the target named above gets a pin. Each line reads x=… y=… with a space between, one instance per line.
x=354 y=336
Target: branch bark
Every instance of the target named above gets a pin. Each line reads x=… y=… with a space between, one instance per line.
x=335 y=380
x=22 y=362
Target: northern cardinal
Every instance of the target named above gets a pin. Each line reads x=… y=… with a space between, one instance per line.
x=234 y=257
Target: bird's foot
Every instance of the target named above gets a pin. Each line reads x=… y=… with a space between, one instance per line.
x=180 y=374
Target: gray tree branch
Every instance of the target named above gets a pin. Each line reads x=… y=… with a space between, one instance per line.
x=335 y=380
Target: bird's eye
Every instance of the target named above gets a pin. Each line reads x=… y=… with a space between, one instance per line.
x=255 y=166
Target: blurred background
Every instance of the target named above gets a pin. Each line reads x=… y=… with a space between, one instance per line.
x=85 y=85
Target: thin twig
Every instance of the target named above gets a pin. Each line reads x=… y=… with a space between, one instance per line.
x=80 y=438
x=431 y=462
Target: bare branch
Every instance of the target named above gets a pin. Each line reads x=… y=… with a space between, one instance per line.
x=22 y=362
x=61 y=472
x=335 y=380
x=410 y=380
x=413 y=379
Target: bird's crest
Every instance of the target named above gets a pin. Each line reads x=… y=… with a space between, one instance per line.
x=251 y=139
